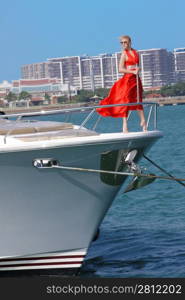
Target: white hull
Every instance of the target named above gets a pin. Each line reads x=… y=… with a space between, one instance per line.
x=49 y=217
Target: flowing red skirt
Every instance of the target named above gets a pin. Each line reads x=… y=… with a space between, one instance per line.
x=122 y=92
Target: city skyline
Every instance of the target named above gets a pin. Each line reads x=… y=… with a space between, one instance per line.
x=66 y=75
x=34 y=31
x=90 y=56
x=158 y=67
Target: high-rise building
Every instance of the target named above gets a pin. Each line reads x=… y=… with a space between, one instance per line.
x=179 y=61
x=101 y=71
x=35 y=71
x=83 y=72
x=86 y=72
x=156 y=67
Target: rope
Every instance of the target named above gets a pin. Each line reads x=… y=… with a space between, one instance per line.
x=121 y=173
x=164 y=171
x=137 y=86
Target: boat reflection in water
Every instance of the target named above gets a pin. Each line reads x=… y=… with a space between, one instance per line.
x=58 y=179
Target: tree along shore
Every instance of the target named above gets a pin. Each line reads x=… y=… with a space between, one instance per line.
x=174 y=94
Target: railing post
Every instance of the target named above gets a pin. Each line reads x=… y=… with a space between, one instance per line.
x=155 y=116
x=149 y=115
x=88 y=117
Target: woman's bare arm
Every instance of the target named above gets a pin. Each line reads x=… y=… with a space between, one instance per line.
x=122 y=68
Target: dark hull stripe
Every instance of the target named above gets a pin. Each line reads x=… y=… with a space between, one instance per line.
x=42 y=264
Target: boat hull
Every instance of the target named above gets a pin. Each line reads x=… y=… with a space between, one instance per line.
x=48 y=215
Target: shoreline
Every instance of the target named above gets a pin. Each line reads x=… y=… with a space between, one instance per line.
x=160 y=101
x=42 y=107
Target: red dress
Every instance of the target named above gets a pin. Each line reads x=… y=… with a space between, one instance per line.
x=123 y=91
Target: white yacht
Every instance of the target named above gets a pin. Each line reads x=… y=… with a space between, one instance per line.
x=58 y=179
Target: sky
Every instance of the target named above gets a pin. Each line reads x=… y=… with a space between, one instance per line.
x=33 y=30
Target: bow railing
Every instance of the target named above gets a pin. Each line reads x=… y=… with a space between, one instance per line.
x=90 y=115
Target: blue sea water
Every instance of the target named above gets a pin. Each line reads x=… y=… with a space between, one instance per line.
x=143 y=233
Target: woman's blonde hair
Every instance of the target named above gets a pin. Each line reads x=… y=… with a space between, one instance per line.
x=125 y=37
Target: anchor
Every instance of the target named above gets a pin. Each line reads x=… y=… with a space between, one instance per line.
x=137 y=181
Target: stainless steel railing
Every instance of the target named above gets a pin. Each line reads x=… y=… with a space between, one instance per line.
x=92 y=110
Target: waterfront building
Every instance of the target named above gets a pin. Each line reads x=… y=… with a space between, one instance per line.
x=156 y=68
x=83 y=72
x=5 y=88
x=38 y=88
x=179 y=61
x=46 y=85
x=86 y=72
x=35 y=71
x=101 y=71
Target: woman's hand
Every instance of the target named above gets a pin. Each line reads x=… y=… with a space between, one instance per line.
x=136 y=71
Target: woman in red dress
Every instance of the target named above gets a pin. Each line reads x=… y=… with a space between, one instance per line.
x=128 y=89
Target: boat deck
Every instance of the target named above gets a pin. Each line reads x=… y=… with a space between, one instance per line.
x=53 y=135
x=31 y=126
x=30 y=131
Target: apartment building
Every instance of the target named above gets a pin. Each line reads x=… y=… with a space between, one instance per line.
x=35 y=71
x=179 y=62
x=86 y=72
x=158 y=67
x=83 y=72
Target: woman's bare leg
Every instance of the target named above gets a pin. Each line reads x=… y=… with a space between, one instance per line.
x=142 y=118
x=125 y=127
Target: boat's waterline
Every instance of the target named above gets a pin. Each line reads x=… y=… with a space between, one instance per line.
x=64 y=260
